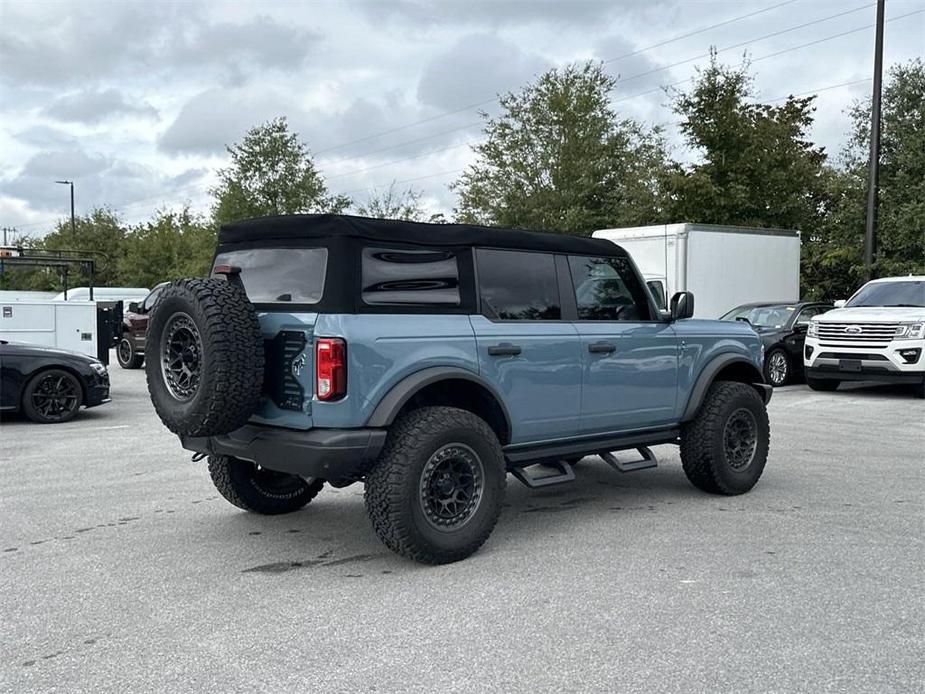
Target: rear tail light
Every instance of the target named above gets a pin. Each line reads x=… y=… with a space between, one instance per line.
x=330 y=368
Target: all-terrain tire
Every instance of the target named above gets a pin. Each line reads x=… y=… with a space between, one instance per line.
x=714 y=458
x=259 y=490
x=825 y=385
x=396 y=489
x=126 y=354
x=229 y=359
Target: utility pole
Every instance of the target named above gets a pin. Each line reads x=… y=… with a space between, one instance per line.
x=870 y=232
x=73 y=223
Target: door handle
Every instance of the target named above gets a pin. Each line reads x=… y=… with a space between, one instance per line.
x=504 y=349
x=602 y=348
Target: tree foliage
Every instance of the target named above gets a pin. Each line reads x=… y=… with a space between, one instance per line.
x=167 y=247
x=397 y=204
x=271 y=172
x=558 y=158
x=756 y=165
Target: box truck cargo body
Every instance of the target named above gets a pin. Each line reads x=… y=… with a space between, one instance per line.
x=89 y=327
x=723 y=266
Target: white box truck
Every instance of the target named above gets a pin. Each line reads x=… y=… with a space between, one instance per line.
x=70 y=325
x=724 y=266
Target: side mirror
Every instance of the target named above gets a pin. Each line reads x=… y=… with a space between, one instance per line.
x=801 y=327
x=134 y=307
x=839 y=303
x=682 y=305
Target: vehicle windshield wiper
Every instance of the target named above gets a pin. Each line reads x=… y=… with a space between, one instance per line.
x=903 y=306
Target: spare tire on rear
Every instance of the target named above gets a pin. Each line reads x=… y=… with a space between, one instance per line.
x=204 y=357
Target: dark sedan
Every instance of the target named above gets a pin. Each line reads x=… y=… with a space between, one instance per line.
x=49 y=385
x=782 y=327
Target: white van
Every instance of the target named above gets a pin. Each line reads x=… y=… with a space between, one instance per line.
x=125 y=294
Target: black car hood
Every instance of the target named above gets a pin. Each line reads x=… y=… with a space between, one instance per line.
x=31 y=350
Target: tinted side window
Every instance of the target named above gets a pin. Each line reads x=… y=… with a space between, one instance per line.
x=148 y=303
x=807 y=313
x=516 y=285
x=393 y=276
x=607 y=289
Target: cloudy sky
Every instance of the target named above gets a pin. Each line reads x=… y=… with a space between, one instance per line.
x=135 y=101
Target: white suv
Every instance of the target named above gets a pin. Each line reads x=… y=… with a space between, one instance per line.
x=877 y=335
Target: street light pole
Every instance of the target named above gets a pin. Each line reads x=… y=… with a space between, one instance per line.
x=73 y=223
x=870 y=239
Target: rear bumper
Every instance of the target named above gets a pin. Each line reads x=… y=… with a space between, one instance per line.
x=325 y=453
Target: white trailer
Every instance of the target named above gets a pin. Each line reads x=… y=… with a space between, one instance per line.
x=723 y=266
x=71 y=325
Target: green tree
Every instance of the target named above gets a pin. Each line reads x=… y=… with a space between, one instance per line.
x=271 y=172
x=755 y=163
x=398 y=204
x=99 y=235
x=167 y=247
x=558 y=158
x=833 y=256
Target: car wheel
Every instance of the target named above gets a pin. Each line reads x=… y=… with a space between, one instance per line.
x=776 y=368
x=825 y=385
x=52 y=396
x=256 y=489
x=126 y=355
x=435 y=493
x=725 y=448
x=205 y=357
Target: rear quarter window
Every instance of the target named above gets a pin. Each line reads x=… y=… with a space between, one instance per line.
x=280 y=275
x=400 y=276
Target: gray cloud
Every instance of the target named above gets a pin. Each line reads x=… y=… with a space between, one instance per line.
x=475 y=68
x=501 y=12
x=45 y=136
x=72 y=163
x=219 y=117
x=94 y=106
x=95 y=41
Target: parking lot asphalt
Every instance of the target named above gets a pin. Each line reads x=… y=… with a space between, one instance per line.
x=122 y=570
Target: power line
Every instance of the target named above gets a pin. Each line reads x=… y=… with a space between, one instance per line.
x=623 y=79
x=407 y=180
x=493 y=99
x=398 y=161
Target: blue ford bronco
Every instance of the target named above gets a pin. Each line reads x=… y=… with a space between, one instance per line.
x=429 y=361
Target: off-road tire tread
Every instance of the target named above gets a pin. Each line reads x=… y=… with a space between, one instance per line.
x=386 y=502
x=233 y=347
x=698 y=436
x=231 y=488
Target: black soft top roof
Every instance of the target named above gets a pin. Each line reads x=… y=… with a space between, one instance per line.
x=271 y=230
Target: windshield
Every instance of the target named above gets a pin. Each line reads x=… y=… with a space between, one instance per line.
x=763 y=316
x=900 y=293
x=275 y=275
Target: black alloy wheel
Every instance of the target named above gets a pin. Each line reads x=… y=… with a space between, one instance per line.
x=181 y=356
x=451 y=486
x=52 y=396
x=740 y=438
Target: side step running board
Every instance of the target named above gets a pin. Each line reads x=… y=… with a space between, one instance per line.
x=647 y=460
x=566 y=474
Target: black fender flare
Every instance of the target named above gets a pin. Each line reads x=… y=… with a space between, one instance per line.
x=708 y=375
x=390 y=405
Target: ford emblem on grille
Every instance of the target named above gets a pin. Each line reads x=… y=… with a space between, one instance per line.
x=854 y=329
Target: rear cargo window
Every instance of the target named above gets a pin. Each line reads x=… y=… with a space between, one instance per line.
x=393 y=276
x=280 y=275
